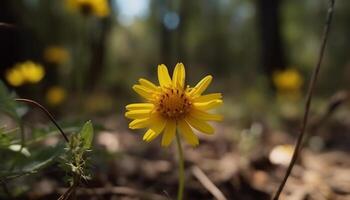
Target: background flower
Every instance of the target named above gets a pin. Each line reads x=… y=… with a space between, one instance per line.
x=98 y=8
x=288 y=80
x=32 y=72
x=56 y=54
x=55 y=95
x=25 y=72
x=14 y=77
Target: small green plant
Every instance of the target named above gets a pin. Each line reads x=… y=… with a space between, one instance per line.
x=22 y=156
x=74 y=160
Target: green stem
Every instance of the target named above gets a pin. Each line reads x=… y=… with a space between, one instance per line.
x=181 y=169
x=23 y=139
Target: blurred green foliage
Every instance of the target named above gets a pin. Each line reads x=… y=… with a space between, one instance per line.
x=220 y=37
x=23 y=156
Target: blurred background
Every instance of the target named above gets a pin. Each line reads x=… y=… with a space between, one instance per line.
x=80 y=59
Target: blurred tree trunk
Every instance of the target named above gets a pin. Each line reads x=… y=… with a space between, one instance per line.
x=184 y=14
x=98 y=51
x=9 y=48
x=166 y=35
x=272 y=48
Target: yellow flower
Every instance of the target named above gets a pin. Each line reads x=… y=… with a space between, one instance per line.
x=31 y=72
x=14 y=77
x=25 y=72
x=56 y=54
x=99 y=8
x=171 y=106
x=55 y=95
x=288 y=80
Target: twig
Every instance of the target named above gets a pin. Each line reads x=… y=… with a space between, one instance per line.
x=207 y=183
x=68 y=193
x=308 y=98
x=23 y=136
x=334 y=103
x=47 y=113
x=4 y=179
x=6 y=25
x=181 y=175
x=115 y=190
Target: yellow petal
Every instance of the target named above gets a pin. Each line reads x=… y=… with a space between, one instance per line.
x=208 y=97
x=148 y=84
x=179 y=75
x=201 y=86
x=205 y=116
x=140 y=106
x=138 y=114
x=187 y=132
x=200 y=125
x=140 y=123
x=143 y=92
x=155 y=130
x=169 y=133
x=163 y=76
x=208 y=105
x=149 y=133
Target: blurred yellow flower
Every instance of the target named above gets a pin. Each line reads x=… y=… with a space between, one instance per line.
x=172 y=105
x=14 y=77
x=25 y=72
x=56 y=54
x=288 y=80
x=55 y=95
x=32 y=72
x=99 y=8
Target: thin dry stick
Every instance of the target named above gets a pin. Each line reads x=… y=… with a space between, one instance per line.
x=207 y=183
x=114 y=190
x=312 y=83
x=71 y=192
x=47 y=113
x=6 y=25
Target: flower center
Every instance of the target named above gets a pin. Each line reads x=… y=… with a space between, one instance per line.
x=173 y=103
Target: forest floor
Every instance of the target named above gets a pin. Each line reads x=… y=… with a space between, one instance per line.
x=223 y=166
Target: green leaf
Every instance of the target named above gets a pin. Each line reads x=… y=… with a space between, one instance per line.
x=5 y=140
x=7 y=103
x=87 y=134
x=40 y=159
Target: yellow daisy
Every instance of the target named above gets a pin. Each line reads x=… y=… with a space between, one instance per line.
x=56 y=54
x=31 y=71
x=99 y=8
x=56 y=95
x=288 y=80
x=25 y=72
x=171 y=106
x=14 y=77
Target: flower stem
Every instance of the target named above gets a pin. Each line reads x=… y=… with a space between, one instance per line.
x=181 y=168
